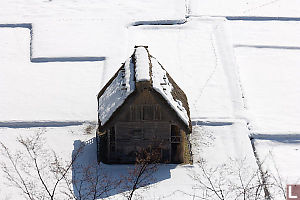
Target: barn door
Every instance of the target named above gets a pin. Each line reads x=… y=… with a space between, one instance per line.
x=176 y=146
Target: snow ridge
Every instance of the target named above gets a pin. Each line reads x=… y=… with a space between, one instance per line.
x=142 y=64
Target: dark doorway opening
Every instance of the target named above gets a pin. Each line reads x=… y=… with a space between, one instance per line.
x=176 y=146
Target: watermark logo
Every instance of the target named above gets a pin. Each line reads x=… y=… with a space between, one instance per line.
x=293 y=192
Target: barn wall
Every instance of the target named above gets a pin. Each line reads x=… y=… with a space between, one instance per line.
x=144 y=120
x=132 y=137
x=150 y=98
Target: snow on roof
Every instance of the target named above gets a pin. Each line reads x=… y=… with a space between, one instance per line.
x=142 y=64
x=137 y=68
x=162 y=85
x=116 y=92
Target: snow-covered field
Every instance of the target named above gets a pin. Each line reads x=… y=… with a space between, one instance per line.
x=267 y=56
x=192 y=48
x=266 y=53
x=52 y=91
x=241 y=77
x=270 y=8
x=280 y=154
x=60 y=139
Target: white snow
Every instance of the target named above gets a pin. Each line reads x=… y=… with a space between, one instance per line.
x=189 y=53
x=229 y=140
x=53 y=91
x=271 y=81
x=240 y=77
x=90 y=10
x=162 y=85
x=117 y=92
x=266 y=53
x=142 y=64
x=265 y=33
x=114 y=95
x=279 y=156
x=274 y=8
x=219 y=141
x=269 y=69
x=62 y=140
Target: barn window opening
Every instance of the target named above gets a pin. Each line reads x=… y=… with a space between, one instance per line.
x=175 y=144
x=165 y=155
x=148 y=112
x=112 y=139
x=175 y=134
x=157 y=113
x=145 y=112
x=137 y=134
x=136 y=112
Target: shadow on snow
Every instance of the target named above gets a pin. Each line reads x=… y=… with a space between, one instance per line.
x=114 y=172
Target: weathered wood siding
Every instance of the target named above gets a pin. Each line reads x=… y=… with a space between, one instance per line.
x=144 y=120
x=132 y=137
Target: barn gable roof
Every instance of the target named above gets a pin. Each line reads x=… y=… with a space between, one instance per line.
x=141 y=66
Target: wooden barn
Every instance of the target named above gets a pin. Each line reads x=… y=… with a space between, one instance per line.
x=142 y=107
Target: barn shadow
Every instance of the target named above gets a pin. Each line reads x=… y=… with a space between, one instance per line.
x=115 y=172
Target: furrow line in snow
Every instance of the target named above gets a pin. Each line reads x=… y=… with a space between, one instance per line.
x=249 y=18
x=267 y=47
x=67 y=59
x=283 y=137
x=159 y=22
x=31 y=124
